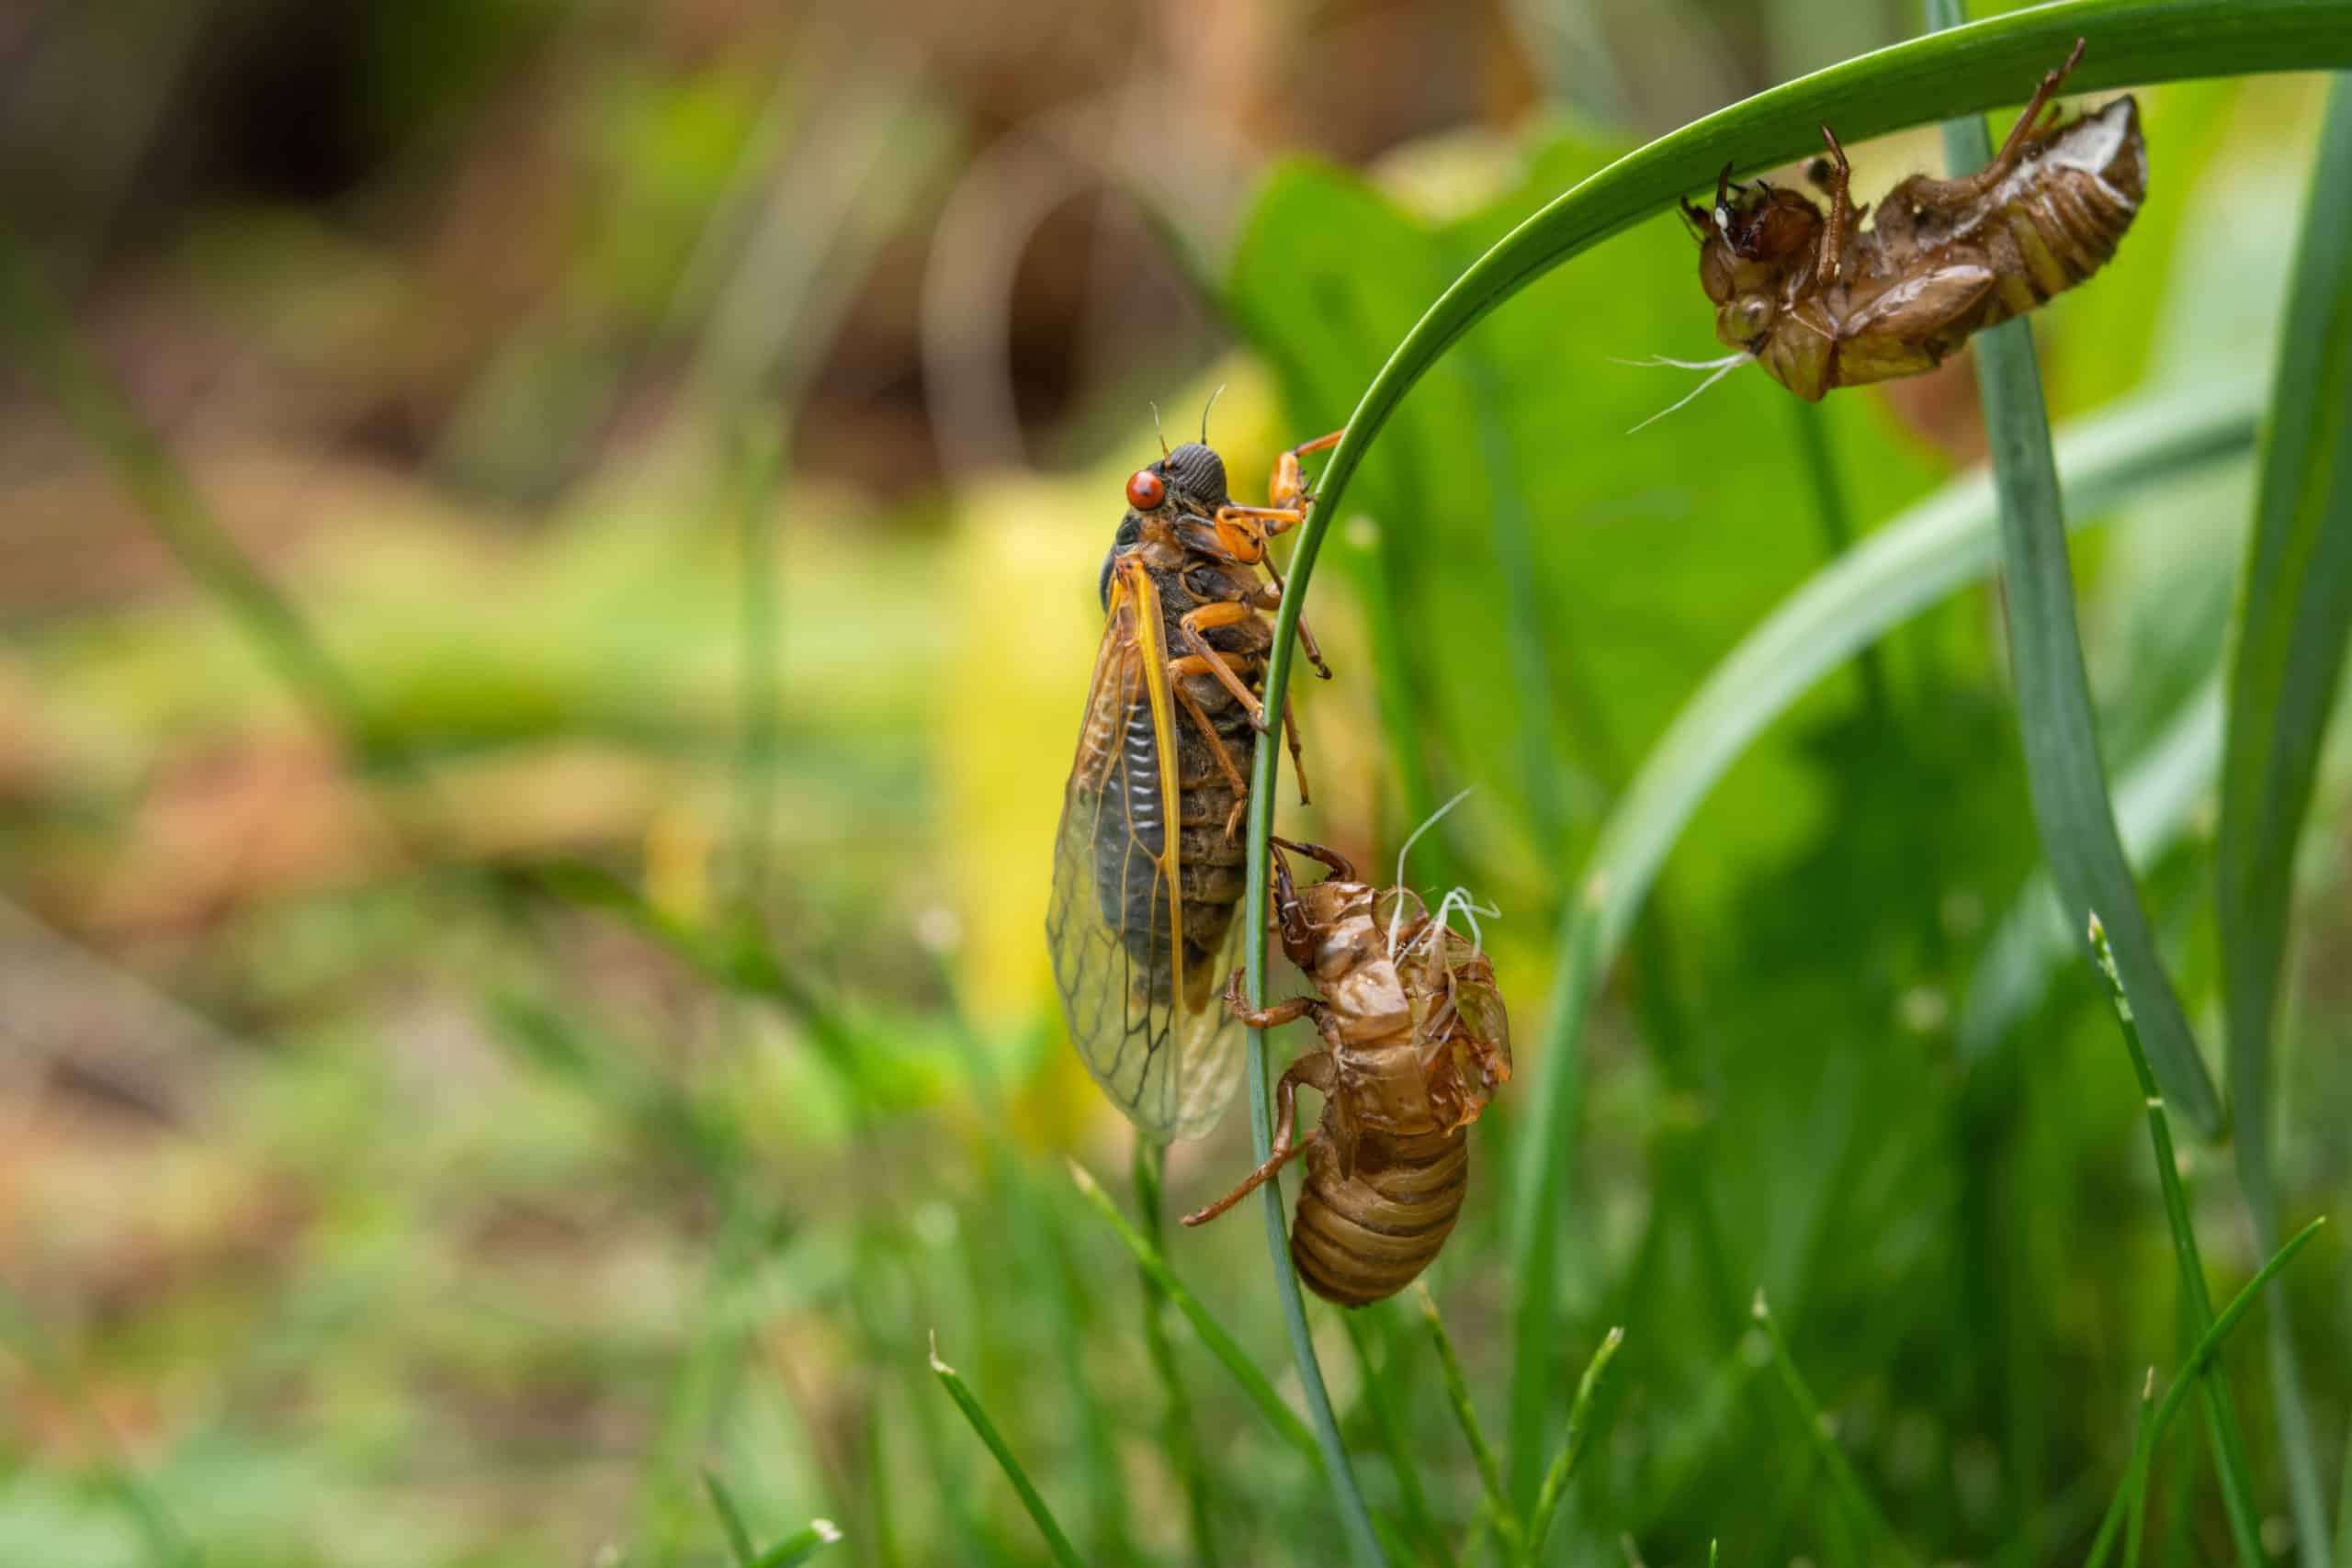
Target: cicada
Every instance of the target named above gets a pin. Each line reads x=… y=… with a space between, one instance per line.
x=1148 y=861
x=1824 y=302
x=1416 y=1040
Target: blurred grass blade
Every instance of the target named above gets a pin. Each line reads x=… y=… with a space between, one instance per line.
x=2200 y=1357
x=2294 y=611
x=801 y=1545
x=1904 y=565
x=730 y=1519
x=1058 y=1543
x=1220 y=1344
x=1572 y=1447
x=1859 y=1503
x=2231 y=1466
x=1176 y=1428
x=1457 y=1391
x=758 y=476
x=2064 y=774
x=738 y=960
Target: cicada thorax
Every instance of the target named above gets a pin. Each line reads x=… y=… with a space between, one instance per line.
x=1210 y=867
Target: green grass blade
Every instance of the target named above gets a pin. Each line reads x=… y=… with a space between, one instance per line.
x=2064 y=775
x=730 y=1519
x=801 y=1545
x=1223 y=1346
x=1056 y=1541
x=1457 y=1392
x=2235 y=1473
x=2294 y=613
x=2200 y=1356
x=1910 y=562
x=1860 y=1504
x=1571 y=1454
x=1176 y=1426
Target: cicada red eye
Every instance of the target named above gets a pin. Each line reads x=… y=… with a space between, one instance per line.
x=1146 y=490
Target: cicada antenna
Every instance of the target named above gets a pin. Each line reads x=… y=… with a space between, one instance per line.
x=1157 y=431
x=1205 y=412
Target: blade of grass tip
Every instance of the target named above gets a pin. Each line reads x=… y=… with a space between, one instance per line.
x=1863 y=1508
x=2292 y=622
x=1339 y=1472
x=1539 y=1189
x=167 y=1544
x=1820 y=465
x=2230 y=1464
x=801 y=1545
x=2136 y=1518
x=1507 y=1528
x=1571 y=1454
x=2199 y=1358
x=1412 y=1497
x=143 y=465
x=952 y=1382
x=1176 y=1426
x=730 y=1519
x=1220 y=1344
x=2065 y=776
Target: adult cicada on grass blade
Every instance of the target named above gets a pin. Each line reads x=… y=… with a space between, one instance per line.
x=1823 y=302
x=1148 y=861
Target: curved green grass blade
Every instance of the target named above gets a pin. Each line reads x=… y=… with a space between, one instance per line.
x=1911 y=562
x=2294 y=613
x=1851 y=1493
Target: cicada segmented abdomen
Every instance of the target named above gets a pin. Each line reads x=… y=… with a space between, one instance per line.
x=1361 y=1237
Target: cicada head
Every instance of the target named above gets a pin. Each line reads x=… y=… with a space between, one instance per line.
x=1754 y=244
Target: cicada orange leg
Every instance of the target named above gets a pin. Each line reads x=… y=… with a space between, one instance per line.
x=1314 y=1070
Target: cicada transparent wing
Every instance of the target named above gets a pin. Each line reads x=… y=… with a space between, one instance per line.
x=1143 y=1000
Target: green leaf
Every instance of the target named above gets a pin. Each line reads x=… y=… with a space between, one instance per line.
x=2294 y=613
